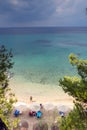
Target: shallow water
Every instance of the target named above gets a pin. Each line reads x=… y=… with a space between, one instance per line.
x=41 y=54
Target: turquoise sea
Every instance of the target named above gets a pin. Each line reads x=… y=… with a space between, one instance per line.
x=41 y=53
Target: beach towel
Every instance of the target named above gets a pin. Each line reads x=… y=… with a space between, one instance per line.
x=62 y=114
x=38 y=114
x=16 y=113
x=32 y=113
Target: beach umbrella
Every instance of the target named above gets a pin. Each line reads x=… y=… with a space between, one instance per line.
x=54 y=127
x=64 y=108
x=49 y=106
x=36 y=126
x=21 y=106
x=34 y=107
x=24 y=124
x=40 y=126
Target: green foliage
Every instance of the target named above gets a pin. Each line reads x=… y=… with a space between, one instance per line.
x=74 y=86
x=76 y=120
x=7 y=98
x=77 y=88
x=6 y=106
x=5 y=63
x=81 y=66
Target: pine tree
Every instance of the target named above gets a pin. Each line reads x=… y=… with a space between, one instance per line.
x=7 y=98
x=77 y=88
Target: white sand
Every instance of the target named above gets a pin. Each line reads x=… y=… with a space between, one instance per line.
x=40 y=93
x=44 y=94
x=50 y=116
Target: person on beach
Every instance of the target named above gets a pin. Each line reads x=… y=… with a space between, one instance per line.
x=41 y=106
x=31 y=98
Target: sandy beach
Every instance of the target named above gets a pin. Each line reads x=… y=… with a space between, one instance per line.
x=40 y=93
x=44 y=94
x=50 y=113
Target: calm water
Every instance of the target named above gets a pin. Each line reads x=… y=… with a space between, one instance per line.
x=41 y=54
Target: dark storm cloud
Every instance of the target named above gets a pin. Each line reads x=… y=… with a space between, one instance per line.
x=42 y=12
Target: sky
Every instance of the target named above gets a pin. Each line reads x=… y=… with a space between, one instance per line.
x=28 y=13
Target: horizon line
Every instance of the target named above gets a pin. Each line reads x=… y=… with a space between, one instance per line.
x=46 y=27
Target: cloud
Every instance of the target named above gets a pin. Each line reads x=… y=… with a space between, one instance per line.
x=70 y=7
x=33 y=9
x=15 y=2
x=42 y=12
x=71 y=12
